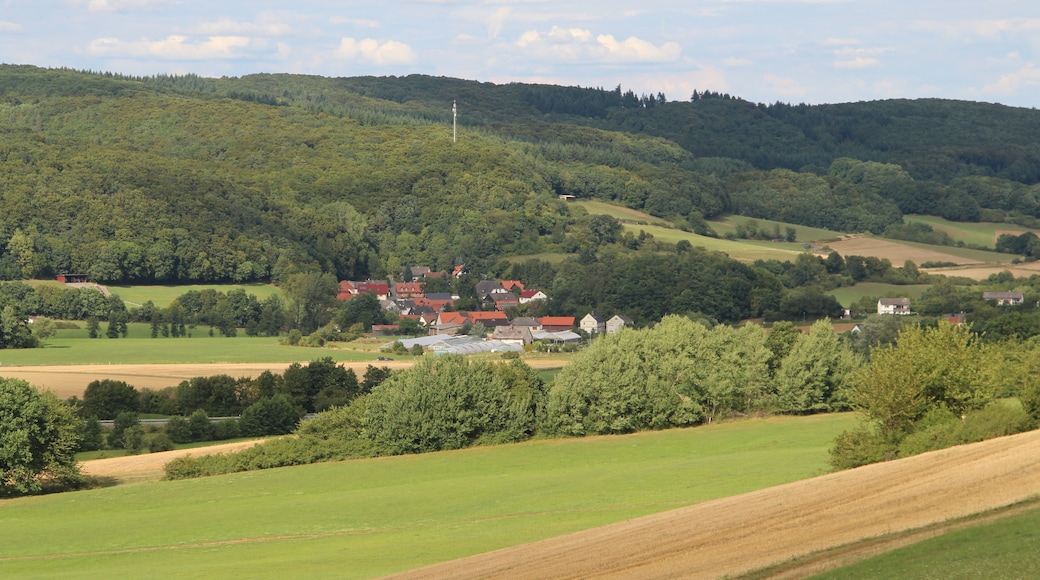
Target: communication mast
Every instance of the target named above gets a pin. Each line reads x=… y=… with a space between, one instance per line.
x=454 y=124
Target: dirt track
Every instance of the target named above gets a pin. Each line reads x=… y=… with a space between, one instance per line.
x=751 y=531
x=149 y=466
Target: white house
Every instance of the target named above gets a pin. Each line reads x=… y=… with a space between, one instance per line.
x=893 y=306
x=1005 y=298
x=593 y=323
x=617 y=322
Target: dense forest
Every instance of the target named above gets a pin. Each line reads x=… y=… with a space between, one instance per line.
x=188 y=179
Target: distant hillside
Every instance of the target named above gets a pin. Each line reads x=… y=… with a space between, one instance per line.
x=184 y=178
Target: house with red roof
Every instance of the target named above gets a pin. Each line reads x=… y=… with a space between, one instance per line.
x=532 y=296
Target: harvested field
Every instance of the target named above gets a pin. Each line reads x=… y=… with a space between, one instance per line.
x=1023 y=270
x=896 y=252
x=71 y=380
x=754 y=530
x=149 y=466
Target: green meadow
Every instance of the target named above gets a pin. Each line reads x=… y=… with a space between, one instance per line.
x=72 y=346
x=744 y=250
x=1006 y=548
x=848 y=295
x=163 y=296
x=803 y=233
x=365 y=518
x=622 y=213
x=981 y=234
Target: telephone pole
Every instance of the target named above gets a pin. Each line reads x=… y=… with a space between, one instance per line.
x=454 y=123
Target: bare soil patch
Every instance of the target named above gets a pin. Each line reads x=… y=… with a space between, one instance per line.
x=895 y=252
x=748 y=532
x=149 y=466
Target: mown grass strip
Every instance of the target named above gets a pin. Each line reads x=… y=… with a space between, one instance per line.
x=370 y=517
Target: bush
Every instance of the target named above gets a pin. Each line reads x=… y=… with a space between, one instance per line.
x=860 y=447
x=122 y=422
x=450 y=403
x=996 y=420
x=90 y=435
x=268 y=416
x=228 y=429
x=178 y=430
x=160 y=442
x=200 y=427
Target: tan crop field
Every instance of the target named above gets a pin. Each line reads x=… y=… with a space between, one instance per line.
x=71 y=380
x=742 y=533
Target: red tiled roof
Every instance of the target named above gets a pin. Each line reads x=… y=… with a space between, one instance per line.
x=557 y=320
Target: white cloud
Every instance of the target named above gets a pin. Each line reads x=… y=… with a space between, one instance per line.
x=579 y=45
x=390 y=52
x=173 y=47
x=497 y=19
x=355 y=22
x=984 y=28
x=9 y=27
x=784 y=86
x=857 y=63
x=1027 y=77
x=113 y=5
x=735 y=61
x=228 y=27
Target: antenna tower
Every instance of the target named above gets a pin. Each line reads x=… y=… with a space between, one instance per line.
x=454 y=124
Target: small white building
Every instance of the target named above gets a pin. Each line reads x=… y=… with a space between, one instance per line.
x=593 y=323
x=893 y=306
x=1005 y=298
x=617 y=322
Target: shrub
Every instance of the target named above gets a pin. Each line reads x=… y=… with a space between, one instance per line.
x=160 y=442
x=122 y=422
x=860 y=447
x=268 y=416
x=449 y=403
x=90 y=435
x=178 y=430
x=200 y=427
x=228 y=429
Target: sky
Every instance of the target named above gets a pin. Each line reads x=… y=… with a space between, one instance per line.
x=794 y=51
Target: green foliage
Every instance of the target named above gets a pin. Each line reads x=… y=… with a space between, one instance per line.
x=160 y=442
x=90 y=436
x=178 y=430
x=931 y=389
x=675 y=374
x=117 y=438
x=105 y=398
x=268 y=416
x=928 y=367
x=449 y=403
x=38 y=439
x=811 y=378
x=995 y=420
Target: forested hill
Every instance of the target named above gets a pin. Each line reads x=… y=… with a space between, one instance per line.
x=174 y=179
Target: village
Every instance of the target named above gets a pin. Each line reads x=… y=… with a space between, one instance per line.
x=490 y=329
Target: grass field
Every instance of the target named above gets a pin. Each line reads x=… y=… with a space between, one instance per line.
x=744 y=250
x=371 y=517
x=162 y=296
x=983 y=234
x=848 y=295
x=803 y=233
x=621 y=213
x=72 y=346
x=1006 y=548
